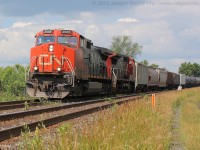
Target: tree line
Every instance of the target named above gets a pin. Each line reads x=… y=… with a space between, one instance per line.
x=190 y=69
x=12 y=82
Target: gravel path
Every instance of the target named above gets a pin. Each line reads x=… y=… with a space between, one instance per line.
x=176 y=144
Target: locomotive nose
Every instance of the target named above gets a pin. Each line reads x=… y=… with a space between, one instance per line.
x=49 y=58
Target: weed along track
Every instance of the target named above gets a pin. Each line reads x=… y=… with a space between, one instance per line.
x=11 y=125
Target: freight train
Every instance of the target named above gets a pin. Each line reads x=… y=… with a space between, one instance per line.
x=64 y=63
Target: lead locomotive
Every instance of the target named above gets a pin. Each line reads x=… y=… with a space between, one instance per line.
x=65 y=63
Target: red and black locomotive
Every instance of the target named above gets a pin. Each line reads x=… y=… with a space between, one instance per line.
x=65 y=63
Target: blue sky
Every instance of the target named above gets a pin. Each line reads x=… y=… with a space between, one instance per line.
x=168 y=30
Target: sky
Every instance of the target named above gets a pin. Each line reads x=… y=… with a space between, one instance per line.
x=168 y=30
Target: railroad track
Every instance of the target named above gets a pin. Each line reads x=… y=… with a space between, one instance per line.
x=79 y=109
x=21 y=104
x=18 y=104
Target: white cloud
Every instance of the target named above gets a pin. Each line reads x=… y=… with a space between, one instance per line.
x=193 y=32
x=127 y=20
x=75 y=21
x=21 y=24
x=87 y=15
x=157 y=29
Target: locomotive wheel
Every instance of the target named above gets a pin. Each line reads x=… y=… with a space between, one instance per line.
x=77 y=90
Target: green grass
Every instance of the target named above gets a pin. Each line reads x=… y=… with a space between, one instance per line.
x=4 y=97
x=190 y=120
x=135 y=125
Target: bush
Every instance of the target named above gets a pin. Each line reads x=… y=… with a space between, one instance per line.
x=12 y=82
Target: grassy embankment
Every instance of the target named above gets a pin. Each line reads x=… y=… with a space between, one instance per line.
x=133 y=125
x=190 y=119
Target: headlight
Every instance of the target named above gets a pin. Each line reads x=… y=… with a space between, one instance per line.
x=58 y=69
x=51 y=48
x=35 y=68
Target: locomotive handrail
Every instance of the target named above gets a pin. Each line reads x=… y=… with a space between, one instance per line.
x=71 y=68
x=113 y=69
x=32 y=59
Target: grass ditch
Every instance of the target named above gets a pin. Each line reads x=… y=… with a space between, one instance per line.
x=134 y=125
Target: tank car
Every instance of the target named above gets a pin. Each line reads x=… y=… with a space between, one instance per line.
x=197 y=81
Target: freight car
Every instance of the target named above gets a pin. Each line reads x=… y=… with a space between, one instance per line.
x=162 y=78
x=153 y=80
x=173 y=80
x=182 y=80
x=65 y=63
x=197 y=81
x=190 y=81
x=142 y=77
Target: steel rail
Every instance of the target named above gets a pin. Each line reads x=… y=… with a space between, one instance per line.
x=17 y=102
x=20 y=105
x=13 y=102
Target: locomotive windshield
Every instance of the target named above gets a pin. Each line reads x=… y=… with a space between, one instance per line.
x=45 y=39
x=68 y=40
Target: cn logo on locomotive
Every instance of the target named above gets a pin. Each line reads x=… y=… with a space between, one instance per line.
x=41 y=59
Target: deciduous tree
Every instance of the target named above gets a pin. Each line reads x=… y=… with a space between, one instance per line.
x=190 y=69
x=125 y=45
x=154 y=65
x=145 y=62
